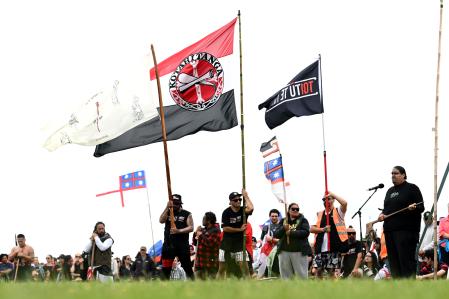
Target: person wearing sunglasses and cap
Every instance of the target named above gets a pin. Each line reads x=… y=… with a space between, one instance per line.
x=176 y=240
x=231 y=247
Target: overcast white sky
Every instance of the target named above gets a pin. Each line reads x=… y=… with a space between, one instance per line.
x=379 y=74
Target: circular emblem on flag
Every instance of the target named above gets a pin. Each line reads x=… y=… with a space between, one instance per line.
x=197 y=83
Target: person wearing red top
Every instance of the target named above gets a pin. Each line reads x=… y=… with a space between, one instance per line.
x=443 y=233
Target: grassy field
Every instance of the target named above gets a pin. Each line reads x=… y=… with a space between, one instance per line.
x=274 y=289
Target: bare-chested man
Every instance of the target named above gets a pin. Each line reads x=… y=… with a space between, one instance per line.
x=22 y=256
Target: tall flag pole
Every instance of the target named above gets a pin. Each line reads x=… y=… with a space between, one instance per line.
x=151 y=221
x=242 y=138
x=326 y=190
x=435 y=161
x=164 y=139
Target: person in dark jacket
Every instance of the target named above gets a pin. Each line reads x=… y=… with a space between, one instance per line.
x=402 y=230
x=293 y=246
x=143 y=266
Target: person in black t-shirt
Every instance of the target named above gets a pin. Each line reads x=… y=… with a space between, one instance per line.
x=176 y=240
x=353 y=258
x=231 y=247
x=402 y=230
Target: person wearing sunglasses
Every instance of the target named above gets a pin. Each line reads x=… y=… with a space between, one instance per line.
x=402 y=229
x=293 y=246
x=328 y=258
x=231 y=248
x=352 y=259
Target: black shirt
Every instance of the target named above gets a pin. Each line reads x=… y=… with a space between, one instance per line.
x=399 y=197
x=351 y=256
x=180 y=222
x=232 y=242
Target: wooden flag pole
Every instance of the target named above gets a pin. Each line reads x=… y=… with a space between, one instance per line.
x=435 y=161
x=164 y=139
x=242 y=138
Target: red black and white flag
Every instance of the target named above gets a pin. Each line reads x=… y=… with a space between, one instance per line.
x=197 y=93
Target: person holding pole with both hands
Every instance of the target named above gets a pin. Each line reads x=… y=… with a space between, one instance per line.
x=402 y=229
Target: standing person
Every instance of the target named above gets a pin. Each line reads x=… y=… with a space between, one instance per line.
x=208 y=240
x=402 y=230
x=143 y=267
x=176 y=240
x=294 y=246
x=102 y=253
x=23 y=256
x=231 y=247
x=352 y=259
x=329 y=259
x=269 y=242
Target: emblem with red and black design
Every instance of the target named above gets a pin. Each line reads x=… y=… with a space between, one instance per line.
x=197 y=82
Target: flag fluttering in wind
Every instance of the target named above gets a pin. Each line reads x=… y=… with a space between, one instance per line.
x=130 y=181
x=197 y=92
x=270 y=147
x=273 y=168
x=106 y=115
x=300 y=97
x=274 y=172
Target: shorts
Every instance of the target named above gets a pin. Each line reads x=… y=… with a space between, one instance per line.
x=327 y=260
x=237 y=256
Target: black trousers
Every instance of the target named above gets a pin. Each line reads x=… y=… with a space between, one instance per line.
x=401 y=250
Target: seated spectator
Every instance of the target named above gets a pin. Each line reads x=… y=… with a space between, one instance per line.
x=125 y=268
x=6 y=268
x=371 y=266
x=77 y=268
x=143 y=267
x=427 y=268
x=177 y=272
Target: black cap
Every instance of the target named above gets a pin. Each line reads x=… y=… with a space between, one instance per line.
x=177 y=198
x=234 y=194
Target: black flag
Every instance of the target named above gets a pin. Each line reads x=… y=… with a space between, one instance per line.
x=300 y=97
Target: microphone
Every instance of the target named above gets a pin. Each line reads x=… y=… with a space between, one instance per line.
x=380 y=186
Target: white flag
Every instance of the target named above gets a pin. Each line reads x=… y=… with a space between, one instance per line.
x=106 y=115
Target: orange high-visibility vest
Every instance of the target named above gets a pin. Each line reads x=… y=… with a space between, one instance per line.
x=340 y=224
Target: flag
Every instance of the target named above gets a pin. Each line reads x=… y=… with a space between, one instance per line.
x=90 y=273
x=155 y=251
x=197 y=96
x=300 y=97
x=133 y=180
x=130 y=181
x=274 y=172
x=104 y=116
x=270 y=147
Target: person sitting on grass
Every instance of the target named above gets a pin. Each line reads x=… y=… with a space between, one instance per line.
x=427 y=269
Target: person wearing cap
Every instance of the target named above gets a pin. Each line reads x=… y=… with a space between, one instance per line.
x=402 y=229
x=427 y=241
x=102 y=252
x=143 y=267
x=176 y=240
x=231 y=247
x=329 y=259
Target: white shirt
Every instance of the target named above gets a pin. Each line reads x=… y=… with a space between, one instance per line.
x=103 y=246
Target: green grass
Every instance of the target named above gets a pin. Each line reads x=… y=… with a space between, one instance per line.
x=274 y=289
